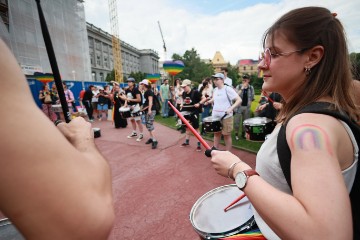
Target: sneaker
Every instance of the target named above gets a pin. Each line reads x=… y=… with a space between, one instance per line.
x=140 y=138
x=133 y=134
x=198 y=149
x=91 y=120
x=184 y=144
x=154 y=144
x=149 y=141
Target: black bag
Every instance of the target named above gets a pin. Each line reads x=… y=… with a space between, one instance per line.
x=284 y=154
x=157 y=104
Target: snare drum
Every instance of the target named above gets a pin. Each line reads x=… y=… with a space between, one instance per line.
x=257 y=128
x=125 y=112
x=211 y=124
x=56 y=108
x=209 y=219
x=187 y=116
x=136 y=114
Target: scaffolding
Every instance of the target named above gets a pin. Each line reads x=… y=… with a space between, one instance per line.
x=116 y=47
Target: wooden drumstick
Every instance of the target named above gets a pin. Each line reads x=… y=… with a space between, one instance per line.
x=235 y=201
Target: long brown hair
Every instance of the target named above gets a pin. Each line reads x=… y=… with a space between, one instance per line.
x=307 y=27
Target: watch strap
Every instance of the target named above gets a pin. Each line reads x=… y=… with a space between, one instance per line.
x=250 y=172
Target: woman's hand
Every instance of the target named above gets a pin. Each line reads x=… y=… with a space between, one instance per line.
x=222 y=160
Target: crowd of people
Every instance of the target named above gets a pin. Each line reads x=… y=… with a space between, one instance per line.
x=302 y=70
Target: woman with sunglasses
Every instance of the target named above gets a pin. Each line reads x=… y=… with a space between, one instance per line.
x=307 y=62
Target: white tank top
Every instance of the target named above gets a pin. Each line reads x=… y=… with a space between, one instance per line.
x=268 y=166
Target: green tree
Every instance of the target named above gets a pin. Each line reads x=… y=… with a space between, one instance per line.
x=233 y=73
x=355 y=62
x=139 y=76
x=110 y=76
x=195 y=69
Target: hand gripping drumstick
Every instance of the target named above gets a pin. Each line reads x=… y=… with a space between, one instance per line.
x=196 y=134
x=53 y=63
x=55 y=69
x=208 y=149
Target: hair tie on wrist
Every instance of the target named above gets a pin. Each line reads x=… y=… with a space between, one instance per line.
x=231 y=168
x=334 y=14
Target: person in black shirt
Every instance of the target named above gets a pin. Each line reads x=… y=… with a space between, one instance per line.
x=192 y=101
x=103 y=103
x=150 y=111
x=132 y=98
x=119 y=121
x=86 y=101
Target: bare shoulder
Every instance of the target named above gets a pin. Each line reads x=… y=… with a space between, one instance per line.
x=324 y=132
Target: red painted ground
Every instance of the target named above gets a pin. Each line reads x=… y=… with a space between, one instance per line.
x=154 y=190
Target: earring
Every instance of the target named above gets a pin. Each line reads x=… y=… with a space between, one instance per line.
x=307 y=71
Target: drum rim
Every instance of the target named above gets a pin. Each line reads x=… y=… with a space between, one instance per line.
x=267 y=120
x=228 y=233
x=215 y=119
x=125 y=109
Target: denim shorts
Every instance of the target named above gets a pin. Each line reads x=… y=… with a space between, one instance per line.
x=102 y=107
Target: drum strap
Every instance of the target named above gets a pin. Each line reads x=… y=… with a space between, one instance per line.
x=284 y=155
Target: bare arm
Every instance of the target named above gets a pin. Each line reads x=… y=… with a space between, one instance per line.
x=51 y=187
x=320 y=199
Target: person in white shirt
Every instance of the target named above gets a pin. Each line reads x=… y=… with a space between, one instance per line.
x=223 y=98
x=227 y=81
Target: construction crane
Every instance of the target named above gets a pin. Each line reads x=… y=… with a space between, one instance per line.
x=116 y=46
x=163 y=41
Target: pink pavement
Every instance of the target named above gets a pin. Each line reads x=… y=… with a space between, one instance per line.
x=154 y=190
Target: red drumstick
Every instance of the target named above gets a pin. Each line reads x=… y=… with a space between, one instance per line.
x=235 y=201
x=196 y=134
x=269 y=98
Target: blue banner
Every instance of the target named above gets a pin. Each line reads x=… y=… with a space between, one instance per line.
x=74 y=86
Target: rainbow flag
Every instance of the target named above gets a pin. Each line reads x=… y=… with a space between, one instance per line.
x=153 y=77
x=44 y=77
x=251 y=235
x=173 y=67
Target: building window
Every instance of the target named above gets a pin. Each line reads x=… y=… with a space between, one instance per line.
x=252 y=68
x=244 y=68
x=101 y=77
x=98 y=62
x=106 y=62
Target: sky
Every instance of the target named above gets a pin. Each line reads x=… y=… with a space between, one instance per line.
x=233 y=27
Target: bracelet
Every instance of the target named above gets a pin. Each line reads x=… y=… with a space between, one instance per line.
x=231 y=168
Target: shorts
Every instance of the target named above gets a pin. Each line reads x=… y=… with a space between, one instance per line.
x=194 y=120
x=103 y=107
x=138 y=118
x=149 y=120
x=228 y=125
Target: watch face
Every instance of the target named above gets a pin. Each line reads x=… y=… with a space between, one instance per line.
x=240 y=180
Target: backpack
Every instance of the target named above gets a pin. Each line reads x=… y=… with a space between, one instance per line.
x=284 y=154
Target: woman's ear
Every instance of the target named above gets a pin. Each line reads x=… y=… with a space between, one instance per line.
x=315 y=54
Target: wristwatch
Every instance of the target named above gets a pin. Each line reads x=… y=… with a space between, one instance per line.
x=242 y=177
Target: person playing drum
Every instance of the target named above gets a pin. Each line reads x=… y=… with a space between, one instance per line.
x=223 y=98
x=150 y=111
x=192 y=101
x=133 y=98
x=306 y=61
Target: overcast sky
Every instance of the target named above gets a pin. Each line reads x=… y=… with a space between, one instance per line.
x=233 y=27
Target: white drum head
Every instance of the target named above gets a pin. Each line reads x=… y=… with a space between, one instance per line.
x=124 y=109
x=208 y=216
